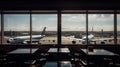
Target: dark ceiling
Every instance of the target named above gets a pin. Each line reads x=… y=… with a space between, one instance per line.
x=59 y=4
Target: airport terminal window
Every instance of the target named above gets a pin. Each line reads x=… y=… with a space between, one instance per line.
x=73 y=28
x=46 y=26
x=101 y=28
x=118 y=28
x=16 y=26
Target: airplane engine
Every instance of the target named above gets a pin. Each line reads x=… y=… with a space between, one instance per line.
x=102 y=42
x=9 y=40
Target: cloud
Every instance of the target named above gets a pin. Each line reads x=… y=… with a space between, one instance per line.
x=40 y=28
x=99 y=28
x=52 y=19
x=75 y=28
x=17 y=28
x=70 y=22
x=73 y=18
x=78 y=22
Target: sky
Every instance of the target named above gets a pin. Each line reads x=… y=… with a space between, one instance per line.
x=70 y=22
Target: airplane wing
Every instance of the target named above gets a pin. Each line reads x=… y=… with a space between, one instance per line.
x=33 y=41
x=102 y=39
x=77 y=39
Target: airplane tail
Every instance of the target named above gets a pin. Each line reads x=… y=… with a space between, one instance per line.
x=43 y=32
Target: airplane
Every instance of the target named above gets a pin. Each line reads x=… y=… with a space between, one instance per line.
x=26 y=39
x=92 y=39
x=84 y=39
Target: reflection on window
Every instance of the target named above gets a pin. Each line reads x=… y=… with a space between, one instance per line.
x=44 y=28
x=16 y=28
x=101 y=26
x=73 y=28
x=118 y=29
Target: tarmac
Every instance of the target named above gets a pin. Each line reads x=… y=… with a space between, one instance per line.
x=66 y=40
x=53 y=40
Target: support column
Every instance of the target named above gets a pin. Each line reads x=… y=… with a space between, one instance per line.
x=87 y=26
x=2 y=27
x=59 y=27
x=30 y=27
x=115 y=27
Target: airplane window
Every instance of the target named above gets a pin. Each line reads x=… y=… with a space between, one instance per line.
x=14 y=39
x=44 y=28
x=118 y=29
x=73 y=28
x=101 y=28
x=16 y=25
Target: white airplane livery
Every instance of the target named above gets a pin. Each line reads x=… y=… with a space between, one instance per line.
x=84 y=39
x=92 y=39
x=26 y=39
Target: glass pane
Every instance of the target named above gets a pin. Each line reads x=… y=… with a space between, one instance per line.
x=118 y=28
x=101 y=29
x=45 y=27
x=73 y=28
x=16 y=28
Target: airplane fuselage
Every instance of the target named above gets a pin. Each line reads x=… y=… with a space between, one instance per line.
x=25 y=39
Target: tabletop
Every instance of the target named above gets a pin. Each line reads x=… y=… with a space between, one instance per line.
x=62 y=50
x=98 y=52
x=23 y=51
x=58 y=64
